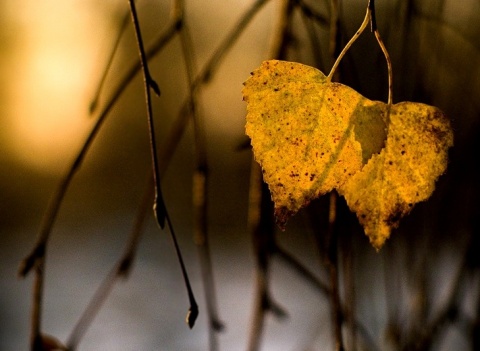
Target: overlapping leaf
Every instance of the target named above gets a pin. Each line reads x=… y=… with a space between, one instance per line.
x=312 y=136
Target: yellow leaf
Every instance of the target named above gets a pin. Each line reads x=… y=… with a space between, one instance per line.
x=404 y=173
x=312 y=136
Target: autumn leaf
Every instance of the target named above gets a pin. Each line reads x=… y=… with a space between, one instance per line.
x=312 y=136
x=405 y=171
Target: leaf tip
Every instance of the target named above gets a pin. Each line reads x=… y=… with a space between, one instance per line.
x=282 y=214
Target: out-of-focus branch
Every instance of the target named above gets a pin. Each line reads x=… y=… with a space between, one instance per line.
x=200 y=186
x=262 y=226
x=422 y=339
x=121 y=31
x=260 y=212
x=121 y=269
x=331 y=261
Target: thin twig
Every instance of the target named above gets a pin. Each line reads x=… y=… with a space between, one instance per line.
x=36 y=258
x=160 y=210
x=300 y=269
x=38 y=250
x=121 y=31
x=200 y=187
x=212 y=64
x=295 y=264
x=35 y=337
x=37 y=254
x=262 y=226
x=121 y=269
x=149 y=83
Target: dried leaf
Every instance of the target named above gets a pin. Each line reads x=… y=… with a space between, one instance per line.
x=312 y=136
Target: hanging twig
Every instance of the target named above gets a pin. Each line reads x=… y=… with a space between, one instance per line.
x=36 y=258
x=200 y=187
x=160 y=210
x=181 y=121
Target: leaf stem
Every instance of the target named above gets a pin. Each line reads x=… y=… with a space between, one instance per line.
x=389 y=65
x=369 y=17
x=374 y=29
x=349 y=44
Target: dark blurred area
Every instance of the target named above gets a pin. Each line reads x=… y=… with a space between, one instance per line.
x=52 y=55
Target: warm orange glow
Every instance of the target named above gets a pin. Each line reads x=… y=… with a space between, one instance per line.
x=53 y=80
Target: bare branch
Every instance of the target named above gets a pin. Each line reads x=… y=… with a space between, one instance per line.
x=160 y=209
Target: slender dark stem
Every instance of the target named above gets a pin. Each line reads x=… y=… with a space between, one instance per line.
x=39 y=248
x=35 y=337
x=160 y=210
x=159 y=206
x=36 y=256
x=193 y=311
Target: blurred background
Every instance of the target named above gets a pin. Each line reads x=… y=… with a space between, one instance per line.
x=52 y=57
